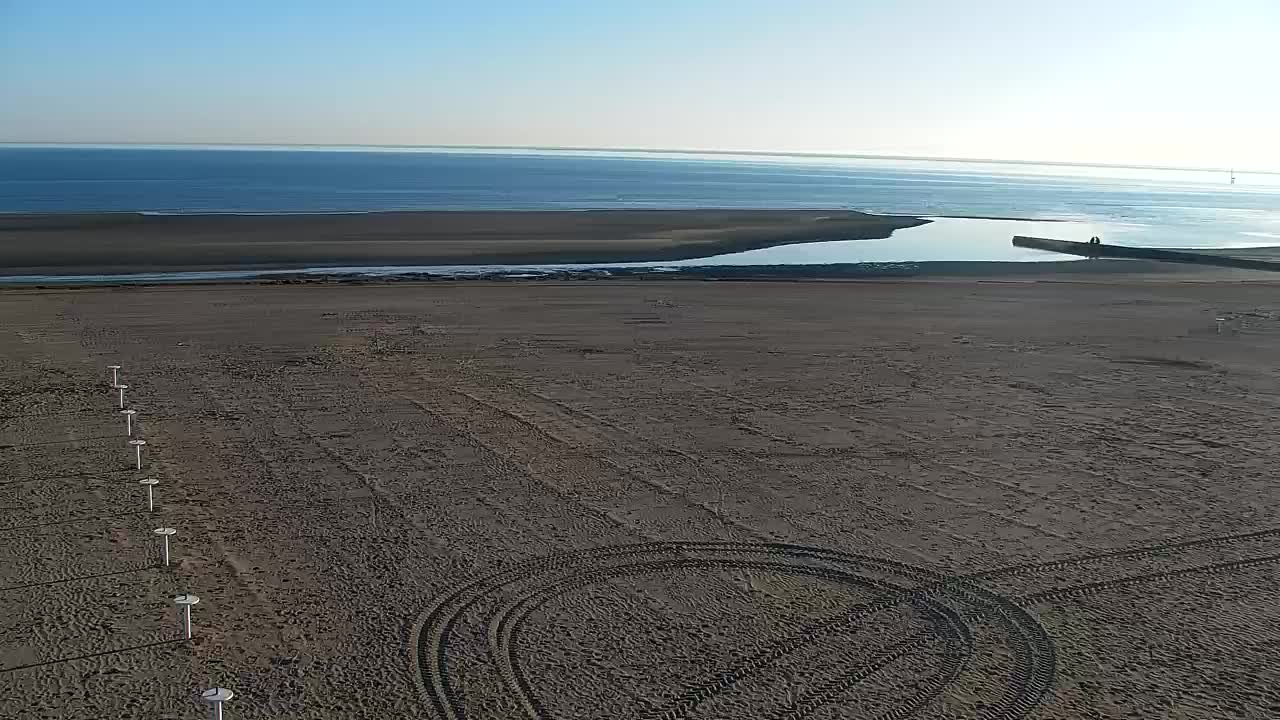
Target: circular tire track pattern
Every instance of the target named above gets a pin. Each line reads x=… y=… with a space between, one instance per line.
x=951 y=610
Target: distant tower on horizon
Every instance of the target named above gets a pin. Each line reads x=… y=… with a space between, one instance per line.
x=1233 y=177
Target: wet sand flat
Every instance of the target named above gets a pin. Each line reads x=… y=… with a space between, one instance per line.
x=940 y=499
x=127 y=242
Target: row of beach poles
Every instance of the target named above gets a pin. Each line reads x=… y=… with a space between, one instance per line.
x=214 y=698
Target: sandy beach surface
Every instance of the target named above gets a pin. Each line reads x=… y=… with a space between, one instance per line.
x=127 y=242
x=1048 y=498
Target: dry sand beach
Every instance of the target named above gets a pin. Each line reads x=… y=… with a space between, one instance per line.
x=942 y=499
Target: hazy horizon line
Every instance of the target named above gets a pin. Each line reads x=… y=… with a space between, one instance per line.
x=650 y=150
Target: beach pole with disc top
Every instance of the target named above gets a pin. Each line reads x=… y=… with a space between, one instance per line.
x=151 y=501
x=137 y=446
x=165 y=533
x=215 y=697
x=185 y=601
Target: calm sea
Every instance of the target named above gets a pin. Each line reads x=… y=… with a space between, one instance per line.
x=1125 y=206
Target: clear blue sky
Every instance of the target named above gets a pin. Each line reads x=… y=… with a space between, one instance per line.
x=1183 y=82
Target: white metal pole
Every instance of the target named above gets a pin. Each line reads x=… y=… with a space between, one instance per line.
x=122 y=388
x=215 y=697
x=137 y=446
x=186 y=601
x=164 y=533
x=151 y=501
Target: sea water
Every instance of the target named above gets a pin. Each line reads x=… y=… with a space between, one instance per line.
x=1127 y=206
